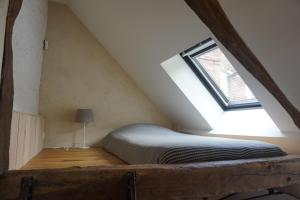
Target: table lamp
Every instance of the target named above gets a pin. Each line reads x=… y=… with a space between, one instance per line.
x=84 y=116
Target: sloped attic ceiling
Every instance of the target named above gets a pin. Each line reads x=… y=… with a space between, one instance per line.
x=143 y=34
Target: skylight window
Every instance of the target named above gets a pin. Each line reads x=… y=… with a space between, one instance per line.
x=219 y=76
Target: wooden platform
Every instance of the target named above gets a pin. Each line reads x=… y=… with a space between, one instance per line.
x=160 y=182
x=75 y=157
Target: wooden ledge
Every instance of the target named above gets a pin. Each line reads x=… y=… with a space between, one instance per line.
x=212 y=164
x=185 y=181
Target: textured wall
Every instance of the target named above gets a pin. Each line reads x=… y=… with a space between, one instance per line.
x=28 y=36
x=79 y=73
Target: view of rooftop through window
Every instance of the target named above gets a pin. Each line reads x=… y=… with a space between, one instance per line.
x=225 y=76
x=219 y=76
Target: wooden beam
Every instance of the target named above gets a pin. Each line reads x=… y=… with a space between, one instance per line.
x=159 y=182
x=214 y=17
x=6 y=85
x=293 y=190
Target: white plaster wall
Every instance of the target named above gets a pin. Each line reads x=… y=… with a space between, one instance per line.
x=29 y=33
x=251 y=122
x=193 y=89
x=271 y=29
x=165 y=28
x=3 y=12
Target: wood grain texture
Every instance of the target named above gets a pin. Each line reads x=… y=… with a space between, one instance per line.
x=293 y=190
x=27 y=138
x=159 y=182
x=7 y=86
x=212 y=14
x=75 y=157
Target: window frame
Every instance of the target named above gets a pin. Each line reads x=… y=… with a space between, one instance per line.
x=204 y=77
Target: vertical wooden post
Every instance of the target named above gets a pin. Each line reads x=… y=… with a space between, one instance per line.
x=212 y=14
x=6 y=86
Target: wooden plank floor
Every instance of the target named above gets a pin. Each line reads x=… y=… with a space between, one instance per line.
x=75 y=157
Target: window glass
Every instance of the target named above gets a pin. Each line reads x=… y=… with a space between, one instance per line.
x=219 y=76
x=225 y=76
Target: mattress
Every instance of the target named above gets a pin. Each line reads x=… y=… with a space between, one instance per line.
x=152 y=144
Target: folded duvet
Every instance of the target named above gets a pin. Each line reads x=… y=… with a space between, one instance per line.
x=151 y=144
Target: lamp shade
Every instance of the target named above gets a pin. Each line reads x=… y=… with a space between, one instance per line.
x=84 y=116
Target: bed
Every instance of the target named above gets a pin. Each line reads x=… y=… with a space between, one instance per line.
x=228 y=169
x=152 y=144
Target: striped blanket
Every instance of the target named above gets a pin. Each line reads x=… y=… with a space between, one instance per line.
x=151 y=144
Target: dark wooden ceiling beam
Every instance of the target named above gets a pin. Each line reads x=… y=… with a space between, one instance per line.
x=214 y=17
x=6 y=85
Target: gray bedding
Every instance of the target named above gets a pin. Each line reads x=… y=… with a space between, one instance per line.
x=145 y=143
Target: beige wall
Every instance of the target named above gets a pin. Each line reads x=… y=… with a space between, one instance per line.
x=79 y=73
